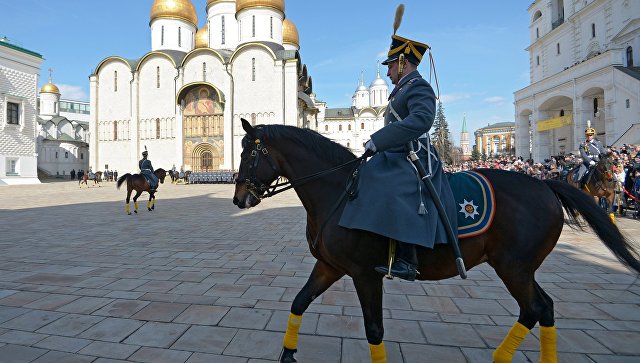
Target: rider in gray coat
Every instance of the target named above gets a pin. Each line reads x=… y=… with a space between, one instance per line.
x=147 y=170
x=590 y=152
x=392 y=200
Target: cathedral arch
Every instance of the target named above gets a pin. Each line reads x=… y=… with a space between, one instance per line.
x=536 y=16
x=197 y=51
x=111 y=59
x=151 y=54
x=182 y=93
x=251 y=45
x=206 y=157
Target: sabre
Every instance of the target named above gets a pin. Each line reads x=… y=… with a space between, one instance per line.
x=415 y=160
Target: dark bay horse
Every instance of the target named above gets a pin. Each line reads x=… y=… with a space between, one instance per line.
x=524 y=231
x=139 y=183
x=97 y=178
x=600 y=183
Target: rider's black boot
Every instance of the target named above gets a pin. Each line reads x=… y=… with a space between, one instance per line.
x=405 y=264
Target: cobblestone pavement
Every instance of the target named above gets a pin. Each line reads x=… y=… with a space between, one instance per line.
x=198 y=280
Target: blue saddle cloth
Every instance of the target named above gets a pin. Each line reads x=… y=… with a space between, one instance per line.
x=474 y=196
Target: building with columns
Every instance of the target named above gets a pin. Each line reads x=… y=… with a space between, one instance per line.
x=581 y=68
x=63 y=143
x=353 y=126
x=19 y=70
x=183 y=100
x=496 y=139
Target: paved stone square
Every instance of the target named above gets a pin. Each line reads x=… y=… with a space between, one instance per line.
x=199 y=280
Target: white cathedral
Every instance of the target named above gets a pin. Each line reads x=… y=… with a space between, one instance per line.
x=183 y=100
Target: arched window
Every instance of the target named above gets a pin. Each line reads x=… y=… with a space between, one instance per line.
x=362 y=126
x=326 y=128
x=339 y=127
x=561 y=113
x=253 y=26
x=537 y=15
x=629 y=57
x=179 y=36
x=115 y=131
x=223 y=29
x=349 y=127
x=115 y=81
x=204 y=71
x=537 y=33
x=162 y=35
x=253 y=69
x=595 y=106
x=558 y=48
x=157 y=77
x=593 y=30
x=271 y=26
x=157 y=128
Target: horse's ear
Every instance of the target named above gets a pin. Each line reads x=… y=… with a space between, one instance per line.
x=248 y=128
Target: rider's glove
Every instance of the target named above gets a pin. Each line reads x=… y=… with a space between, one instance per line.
x=370 y=146
x=592 y=163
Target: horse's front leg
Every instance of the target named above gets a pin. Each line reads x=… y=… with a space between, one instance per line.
x=135 y=201
x=369 y=289
x=322 y=277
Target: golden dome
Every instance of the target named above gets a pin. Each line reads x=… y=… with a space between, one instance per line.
x=211 y=2
x=174 y=9
x=202 y=37
x=290 y=33
x=50 y=88
x=245 y=4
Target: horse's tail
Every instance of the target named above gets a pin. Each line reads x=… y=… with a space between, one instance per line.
x=122 y=179
x=575 y=202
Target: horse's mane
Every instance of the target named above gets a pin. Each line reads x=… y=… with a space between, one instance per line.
x=318 y=144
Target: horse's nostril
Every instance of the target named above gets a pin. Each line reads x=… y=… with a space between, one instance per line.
x=235 y=200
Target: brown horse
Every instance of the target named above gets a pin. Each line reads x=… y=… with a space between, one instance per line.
x=97 y=178
x=525 y=230
x=600 y=183
x=139 y=183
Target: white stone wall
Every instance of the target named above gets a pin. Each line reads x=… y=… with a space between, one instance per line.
x=18 y=84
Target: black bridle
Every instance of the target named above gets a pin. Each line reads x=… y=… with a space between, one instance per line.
x=260 y=190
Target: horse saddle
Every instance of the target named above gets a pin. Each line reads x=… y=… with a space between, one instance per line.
x=474 y=195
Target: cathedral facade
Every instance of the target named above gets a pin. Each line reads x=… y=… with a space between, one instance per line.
x=184 y=99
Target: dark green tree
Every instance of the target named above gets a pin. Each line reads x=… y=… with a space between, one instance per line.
x=440 y=135
x=475 y=154
x=484 y=156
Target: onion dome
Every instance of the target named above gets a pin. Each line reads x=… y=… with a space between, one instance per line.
x=246 y=4
x=290 y=33
x=378 y=81
x=174 y=9
x=202 y=37
x=50 y=88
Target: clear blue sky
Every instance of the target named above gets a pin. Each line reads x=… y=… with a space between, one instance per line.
x=478 y=45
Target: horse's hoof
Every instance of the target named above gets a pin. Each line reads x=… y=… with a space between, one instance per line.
x=154 y=207
x=135 y=211
x=129 y=213
x=149 y=209
x=287 y=355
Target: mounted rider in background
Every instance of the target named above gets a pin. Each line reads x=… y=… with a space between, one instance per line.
x=590 y=151
x=146 y=169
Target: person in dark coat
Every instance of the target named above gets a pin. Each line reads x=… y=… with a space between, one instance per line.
x=146 y=169
x=73 y=174
x=590 y=151
x=392 y=200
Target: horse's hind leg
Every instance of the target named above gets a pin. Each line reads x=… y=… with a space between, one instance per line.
x=535 y=306
x=321 y=278
x=127 y=208
x=369 y=289
x=150 y=202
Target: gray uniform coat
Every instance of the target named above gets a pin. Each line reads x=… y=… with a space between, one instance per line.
x=390 y=192
x=147 y=170
x=589 y=151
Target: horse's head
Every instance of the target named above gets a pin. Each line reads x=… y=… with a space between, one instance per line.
x=605 y=165
x=258 y=169
x=161 y=174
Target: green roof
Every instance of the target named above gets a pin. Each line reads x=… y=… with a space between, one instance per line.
x=5 y=42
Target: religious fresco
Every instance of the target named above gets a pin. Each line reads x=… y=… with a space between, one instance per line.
x=202 y=101
x=203 y=129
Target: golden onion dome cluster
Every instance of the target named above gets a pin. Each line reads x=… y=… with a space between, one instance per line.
x=202 y=37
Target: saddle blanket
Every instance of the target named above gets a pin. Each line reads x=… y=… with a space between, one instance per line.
x=474 y=196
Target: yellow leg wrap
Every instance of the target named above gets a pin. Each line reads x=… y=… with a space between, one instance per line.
x=135 y=205
x=149 y=204
x=612 y=217
x=504 y=353
x=291 y=336
x=153 y=203
x=127 y=208
x=548 y=353
x=378 y=354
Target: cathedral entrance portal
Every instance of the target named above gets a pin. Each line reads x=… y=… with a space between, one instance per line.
x=202 y=128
